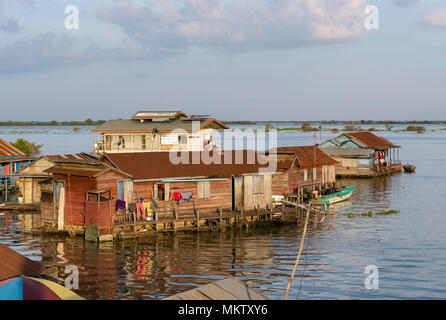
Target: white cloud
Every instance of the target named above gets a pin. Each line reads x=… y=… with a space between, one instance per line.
x=435 y=18
x=236 y=25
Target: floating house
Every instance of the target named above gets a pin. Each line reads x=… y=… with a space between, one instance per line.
x=363 y=154
x=157 y=131
x=30 y=177
x=301 y=170
x=88 y=197
x=12 y=161
x=65 y=193
x=228 y=183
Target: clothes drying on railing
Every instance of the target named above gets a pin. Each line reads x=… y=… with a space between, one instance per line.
x=120 y=204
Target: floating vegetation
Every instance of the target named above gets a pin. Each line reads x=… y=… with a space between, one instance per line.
x=370 y=213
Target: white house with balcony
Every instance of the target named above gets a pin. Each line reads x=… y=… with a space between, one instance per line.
x=154 y=131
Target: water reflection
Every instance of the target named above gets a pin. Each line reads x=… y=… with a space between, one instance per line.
x=407 y=247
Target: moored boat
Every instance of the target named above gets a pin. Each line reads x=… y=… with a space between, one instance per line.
x=409 y=168
x=334 y=197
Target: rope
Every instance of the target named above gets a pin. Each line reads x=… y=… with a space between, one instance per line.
x=299 y=254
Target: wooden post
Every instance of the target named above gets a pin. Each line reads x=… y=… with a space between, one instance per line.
x=156 y=218
x=134 y=223
x=198 y=220
x=6 y=190
x=176 y=219
x=220 y=213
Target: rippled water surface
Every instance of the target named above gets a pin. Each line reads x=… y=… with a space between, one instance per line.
x=408 y=248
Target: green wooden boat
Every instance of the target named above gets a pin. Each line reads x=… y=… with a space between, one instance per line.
x=334 y=197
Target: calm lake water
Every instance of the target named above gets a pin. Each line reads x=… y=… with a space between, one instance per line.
x=408 y=248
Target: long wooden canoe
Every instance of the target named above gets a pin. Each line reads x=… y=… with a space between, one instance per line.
x=334 y=197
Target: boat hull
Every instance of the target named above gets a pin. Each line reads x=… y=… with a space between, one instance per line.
x=335 y=197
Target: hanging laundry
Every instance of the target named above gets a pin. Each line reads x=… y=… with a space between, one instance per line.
x=177 y=196
x=132 y=207
x=139 y=210
x=187 y=196
x=147 y=210
x=120 y=204
x=7 y=168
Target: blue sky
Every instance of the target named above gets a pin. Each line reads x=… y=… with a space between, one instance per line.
x=246 y=59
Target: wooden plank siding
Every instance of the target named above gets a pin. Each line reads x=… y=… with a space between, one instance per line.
x=75 y=189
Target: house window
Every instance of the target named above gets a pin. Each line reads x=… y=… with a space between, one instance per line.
x=182 y=139
x=121 y=142
x=204 y=189
x=305 y=175
x=143 y=142
x=314 y=173
x=161 y=192
x=258 y=184
x=108 y=142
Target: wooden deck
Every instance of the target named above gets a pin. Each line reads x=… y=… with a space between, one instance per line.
x=226 y=289
x=19 y=208
x=220 y=221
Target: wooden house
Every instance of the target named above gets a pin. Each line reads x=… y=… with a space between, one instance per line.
x=157 y=131
x=302 y=168
x=64 y=195
x=363 y=154
x=225 y=185
x=12 y=161
x=31 y=176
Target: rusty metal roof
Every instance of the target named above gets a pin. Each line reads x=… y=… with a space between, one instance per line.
x=13 y=264
x=76 y=156
x=310 y=156
x=370 y=140
x=158 y=165
x=7 y=149
x=82 y=168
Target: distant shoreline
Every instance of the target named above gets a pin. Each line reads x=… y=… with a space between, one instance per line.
x=90 y=122
x=340 y=122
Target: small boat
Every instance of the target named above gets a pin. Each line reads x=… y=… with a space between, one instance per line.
x=409 y=168
x=334 y=197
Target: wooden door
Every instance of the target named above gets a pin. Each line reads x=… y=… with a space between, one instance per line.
x=237 y=193
x=125 y=191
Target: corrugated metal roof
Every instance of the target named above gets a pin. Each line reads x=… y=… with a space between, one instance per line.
x=370 y=140
x=336 y=151
x=78 y=156
x=8 y=150
x=15 y=159
x=13 y=264
x=310 y=156
x=284 y=159
x=83 y=168
x=158 y=165
x=158 y=114
x=122 y=126
x=226 y=289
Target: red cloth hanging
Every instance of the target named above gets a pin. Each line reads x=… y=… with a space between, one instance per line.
x=177 y=196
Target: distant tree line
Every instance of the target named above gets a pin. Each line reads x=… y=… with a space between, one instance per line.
x=344 y=122
x=88 y=122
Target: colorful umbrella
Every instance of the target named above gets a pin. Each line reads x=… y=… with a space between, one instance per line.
x=27 y=288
